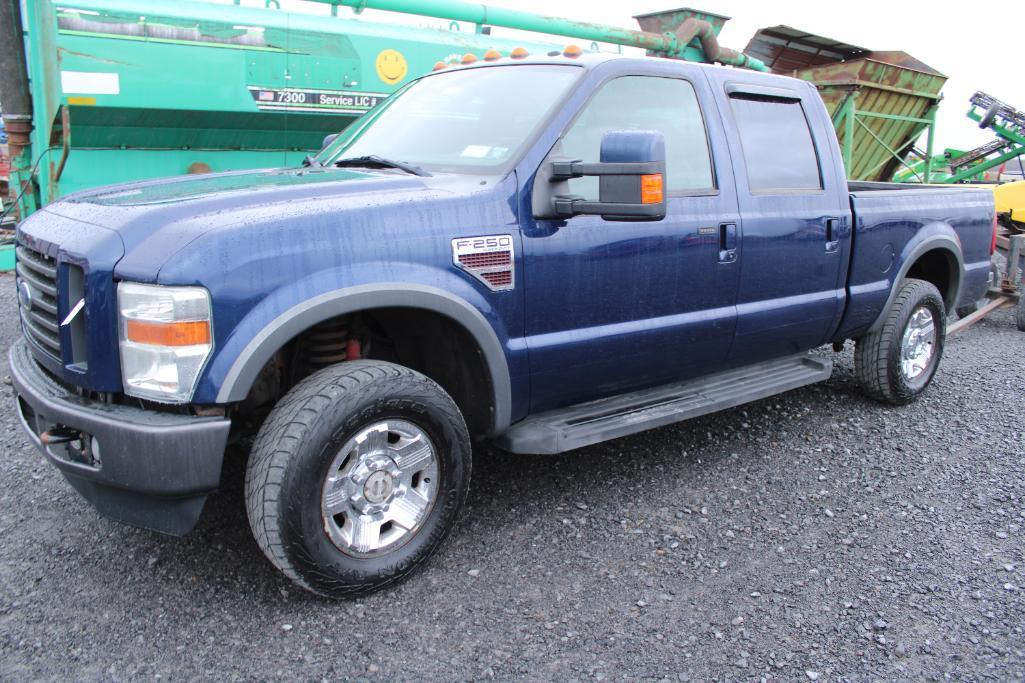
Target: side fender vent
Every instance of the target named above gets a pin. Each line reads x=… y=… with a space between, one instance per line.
x=489 y=258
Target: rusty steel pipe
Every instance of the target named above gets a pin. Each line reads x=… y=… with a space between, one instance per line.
x=692 y=28
x=65 y=142
x=14 y=90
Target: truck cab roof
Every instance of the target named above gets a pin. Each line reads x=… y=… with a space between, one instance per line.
x=594 y=61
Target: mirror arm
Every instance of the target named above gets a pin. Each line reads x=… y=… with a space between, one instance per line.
x=574 y=168
x=567 y=206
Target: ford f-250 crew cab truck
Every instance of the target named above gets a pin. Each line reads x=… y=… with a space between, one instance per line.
x=545 y=253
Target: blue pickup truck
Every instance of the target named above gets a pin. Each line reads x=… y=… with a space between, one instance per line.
x=542 y=253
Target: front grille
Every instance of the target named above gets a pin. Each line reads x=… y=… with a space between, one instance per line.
x=37 y=299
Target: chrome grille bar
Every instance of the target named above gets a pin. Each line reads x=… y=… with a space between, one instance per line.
x=37 y=299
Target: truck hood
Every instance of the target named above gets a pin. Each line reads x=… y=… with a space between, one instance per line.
x=217 y=188
x=246 y=235
x=155 y=219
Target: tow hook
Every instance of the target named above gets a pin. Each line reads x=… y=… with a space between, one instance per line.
x=77 y=445
x=58 y=435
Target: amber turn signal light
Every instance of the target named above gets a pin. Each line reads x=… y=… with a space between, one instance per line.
x=651 y=188
x=188 y=333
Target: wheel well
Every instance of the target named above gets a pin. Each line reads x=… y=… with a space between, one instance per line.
x=443 y=350
x=938 y=266
x=419 y=339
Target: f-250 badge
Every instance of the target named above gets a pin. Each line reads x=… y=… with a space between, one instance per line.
x=491 y=259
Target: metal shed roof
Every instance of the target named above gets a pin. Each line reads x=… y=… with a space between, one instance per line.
x=785 y=49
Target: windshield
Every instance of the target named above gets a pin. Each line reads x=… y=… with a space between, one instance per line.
x=470 y=120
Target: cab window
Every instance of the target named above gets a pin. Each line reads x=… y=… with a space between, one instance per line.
x=667 y=105
x=778 y=149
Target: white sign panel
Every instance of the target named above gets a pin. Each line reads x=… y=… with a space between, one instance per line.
x=90 y=83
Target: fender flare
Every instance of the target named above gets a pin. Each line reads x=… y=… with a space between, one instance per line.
x=302 y=316
x=942 y=242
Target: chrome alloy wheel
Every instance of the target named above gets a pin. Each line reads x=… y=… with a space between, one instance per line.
x=381 y=486
x=918 y=344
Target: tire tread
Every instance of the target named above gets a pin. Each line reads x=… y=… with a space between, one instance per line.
x=284 y=431
x=871 y=352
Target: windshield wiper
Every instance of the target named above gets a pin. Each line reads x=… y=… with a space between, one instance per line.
x=374 y=161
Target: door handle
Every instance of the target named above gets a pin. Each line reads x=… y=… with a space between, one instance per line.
x=727 y=242
x=832 y=234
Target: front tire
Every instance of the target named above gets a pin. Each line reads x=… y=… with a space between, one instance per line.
x=896 y=363
x=357 y=476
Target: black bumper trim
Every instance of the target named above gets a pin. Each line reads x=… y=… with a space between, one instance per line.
x=155 y=468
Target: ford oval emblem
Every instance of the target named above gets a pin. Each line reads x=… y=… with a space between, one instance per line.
x=25 y=295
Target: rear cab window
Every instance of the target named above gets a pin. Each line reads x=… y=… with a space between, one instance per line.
x=779 y=152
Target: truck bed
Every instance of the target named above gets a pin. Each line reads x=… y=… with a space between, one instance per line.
x=892 y=223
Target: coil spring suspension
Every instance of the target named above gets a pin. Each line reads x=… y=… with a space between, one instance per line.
x=328 y=343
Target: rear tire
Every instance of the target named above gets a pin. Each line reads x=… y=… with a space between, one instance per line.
x=895 y=363
x=357 y=476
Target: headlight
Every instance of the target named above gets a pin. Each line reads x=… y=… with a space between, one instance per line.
x=165 y=339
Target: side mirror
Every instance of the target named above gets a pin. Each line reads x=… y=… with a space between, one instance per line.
x=328 y=139
x=631 y=180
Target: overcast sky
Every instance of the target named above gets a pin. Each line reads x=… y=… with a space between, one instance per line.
x=980 y=48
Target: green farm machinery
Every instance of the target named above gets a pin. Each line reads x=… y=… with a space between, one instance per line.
x=121 y=90
x=108 y=91
x=881 y=102
x=985 y=162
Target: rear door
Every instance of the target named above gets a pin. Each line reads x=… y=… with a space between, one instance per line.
x=795 y=210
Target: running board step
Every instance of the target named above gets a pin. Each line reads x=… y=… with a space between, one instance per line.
x=589 y=423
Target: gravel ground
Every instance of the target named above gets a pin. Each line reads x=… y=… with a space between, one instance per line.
x=815 y=535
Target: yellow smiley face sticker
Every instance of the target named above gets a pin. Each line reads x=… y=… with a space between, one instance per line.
x=391 y=66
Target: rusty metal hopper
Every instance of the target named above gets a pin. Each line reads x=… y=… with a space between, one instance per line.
x=880 y=102
x=667 y=21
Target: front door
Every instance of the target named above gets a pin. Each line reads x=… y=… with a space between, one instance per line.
x=611 y=305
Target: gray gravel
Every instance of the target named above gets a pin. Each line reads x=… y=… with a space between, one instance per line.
x=812 y=536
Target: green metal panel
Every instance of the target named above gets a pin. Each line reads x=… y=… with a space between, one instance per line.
x=6 y=257
x=879 y=110
x=122 y=166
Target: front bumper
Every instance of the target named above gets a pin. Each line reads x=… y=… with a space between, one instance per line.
x=141 y=467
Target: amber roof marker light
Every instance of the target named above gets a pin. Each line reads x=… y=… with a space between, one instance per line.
x=519 y=53
x=492 y=55
x=468 y=58
x=572 y=51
